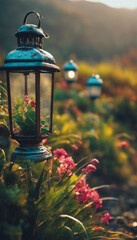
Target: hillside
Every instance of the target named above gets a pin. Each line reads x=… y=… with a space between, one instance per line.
x=91 y=31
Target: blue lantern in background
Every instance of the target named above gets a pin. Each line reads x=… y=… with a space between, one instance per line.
x=94 y=86
x=70 y=71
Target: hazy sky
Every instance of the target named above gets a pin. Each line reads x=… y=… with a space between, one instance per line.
x=118 y=3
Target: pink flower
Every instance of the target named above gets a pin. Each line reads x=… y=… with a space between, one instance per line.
x=123 y=144
x=64 y=85
x=90 y=168
x=33 y=104
x=26 y=100
x=75 y=147
x=59 y=152
x=44 y=141
x=84 y=194
x=94 y=161
x=62 y=169
x=97 y=203
x=66 y=167
x=106 y=217
x=100 y=229
x=81 y=183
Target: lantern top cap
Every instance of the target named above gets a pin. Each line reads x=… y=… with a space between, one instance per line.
x=70 y=65
x=29 y=55
x=95 y=80
x=31 y=29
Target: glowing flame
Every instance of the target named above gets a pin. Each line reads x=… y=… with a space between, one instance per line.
x=71 y=74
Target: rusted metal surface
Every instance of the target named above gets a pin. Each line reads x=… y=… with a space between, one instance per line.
x=29 y=155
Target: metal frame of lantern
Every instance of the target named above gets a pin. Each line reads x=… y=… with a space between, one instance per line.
x=29 y=57
x=70 y=71
x=94 y=85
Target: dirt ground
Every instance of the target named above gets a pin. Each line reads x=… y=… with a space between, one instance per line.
x=123 y=208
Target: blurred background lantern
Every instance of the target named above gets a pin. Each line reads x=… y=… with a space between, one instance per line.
x=30 y=85
x=70 y=71
x=94 y=86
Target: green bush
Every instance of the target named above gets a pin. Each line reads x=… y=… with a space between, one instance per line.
x=49 y=206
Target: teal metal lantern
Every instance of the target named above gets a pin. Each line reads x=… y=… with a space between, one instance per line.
x=70 y=72
x=94 y=86
x=30 y=85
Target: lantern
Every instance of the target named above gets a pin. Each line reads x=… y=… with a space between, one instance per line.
x=70 y=72
x=30 y=85
x=94 y=85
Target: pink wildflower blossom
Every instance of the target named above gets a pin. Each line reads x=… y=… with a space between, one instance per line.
x=97 y=203
x=75 y=147
x=59 y=152
x=99 y=229
x=67 y=165
x=44 y=141
x=94 y=161
x=106 y=217
x=26 y=100
x=84 y=194
x=90 y=168
x=33 y=104
x=62 y=169
x=123 y=144
x=81 y=183
x=64 y=85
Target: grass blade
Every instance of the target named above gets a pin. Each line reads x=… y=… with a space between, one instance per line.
x=76 y=220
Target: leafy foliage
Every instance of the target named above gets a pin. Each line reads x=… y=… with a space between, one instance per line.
x=25 y=117
x=46 y=207
x=50 y=209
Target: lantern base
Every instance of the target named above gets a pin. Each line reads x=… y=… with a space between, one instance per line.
x=29 y=155
x=70 y=81
x=93 y=98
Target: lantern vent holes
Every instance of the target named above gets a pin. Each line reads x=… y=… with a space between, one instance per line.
x=31 y=41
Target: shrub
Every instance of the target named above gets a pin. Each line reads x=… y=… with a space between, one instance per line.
x=57 y=205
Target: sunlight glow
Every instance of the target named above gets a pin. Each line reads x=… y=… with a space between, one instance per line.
x=118 y=3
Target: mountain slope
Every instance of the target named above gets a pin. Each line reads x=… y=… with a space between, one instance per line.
x=91 y=31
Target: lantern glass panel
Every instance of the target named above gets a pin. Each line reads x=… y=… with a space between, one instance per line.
x=3 y=99
x=94 y=91
x=45 y=102
x=23 y=103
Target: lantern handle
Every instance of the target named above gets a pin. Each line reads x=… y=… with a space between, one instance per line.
x=26 y=16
